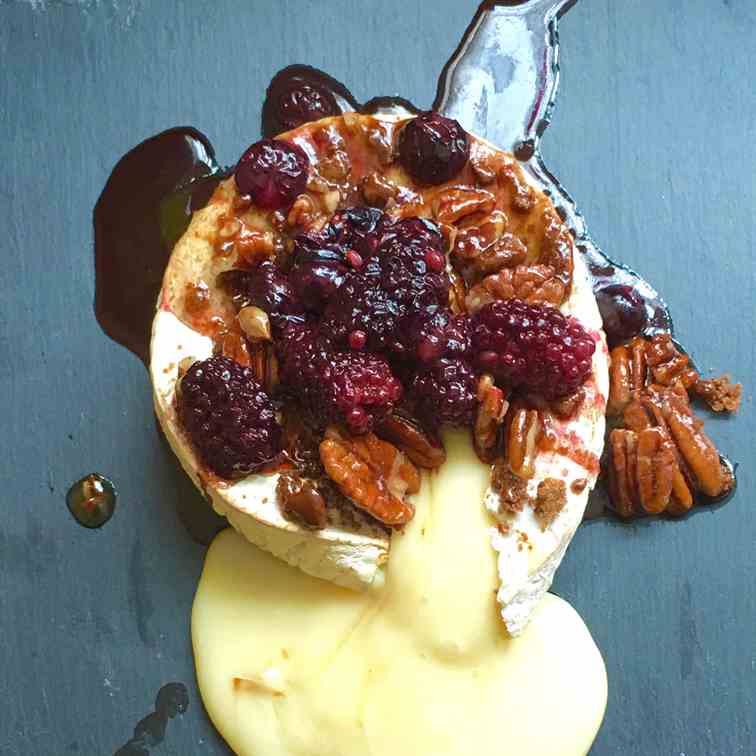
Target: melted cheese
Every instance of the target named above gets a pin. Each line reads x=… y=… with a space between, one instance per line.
x=419 y=665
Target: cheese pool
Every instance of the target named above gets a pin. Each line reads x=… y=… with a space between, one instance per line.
x=419 y=665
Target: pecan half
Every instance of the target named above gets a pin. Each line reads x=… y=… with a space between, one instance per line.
x=374 y=474
x=627 y=375
x=623 y=445
x=459 y=201
x=506 y=251
x=457 y=293
x=407 y=435
x=491 y=410
x=719 y=393
x=523 y=198
x=550 y=500
x=524 y=430
x=656 y=469
x=300 y=500
x=531 y=283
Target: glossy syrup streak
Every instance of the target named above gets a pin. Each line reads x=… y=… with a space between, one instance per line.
x=154 y=189
x=171 y=700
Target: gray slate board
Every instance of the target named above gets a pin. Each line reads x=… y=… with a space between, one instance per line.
x=654 y=134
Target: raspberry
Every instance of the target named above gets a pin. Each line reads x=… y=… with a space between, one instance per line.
x=354 y=388
x=433 y=149
x=445 y=394
x=272 y=172
x=228 y=417
x=532 y=346
x=265 y=287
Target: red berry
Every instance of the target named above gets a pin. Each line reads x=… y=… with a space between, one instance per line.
x=433 y=149
x=533 y=347
x=273 y=173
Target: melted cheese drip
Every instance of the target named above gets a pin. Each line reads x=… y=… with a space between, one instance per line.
x=289 y=665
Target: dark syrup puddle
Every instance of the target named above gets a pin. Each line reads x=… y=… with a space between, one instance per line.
x=154 y=189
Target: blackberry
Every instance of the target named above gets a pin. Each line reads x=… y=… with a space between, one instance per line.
x=433 y=149
x=427 y=335
x=273 y=173
x=445 y=393
x=265 y=287
x=392 y=282
x=355 y=388
x=228 y=417
x=532 y=346
x=623 y=311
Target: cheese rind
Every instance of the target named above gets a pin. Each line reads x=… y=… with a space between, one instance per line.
x=342 y=556
x=291 y=666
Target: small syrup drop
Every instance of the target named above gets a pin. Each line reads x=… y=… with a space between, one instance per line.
x=92 y=500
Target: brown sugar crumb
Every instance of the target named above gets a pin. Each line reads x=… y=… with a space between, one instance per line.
x=502 y=528
x=578 y=485
x=719 y=393
x=550 y=500
x=512 y=490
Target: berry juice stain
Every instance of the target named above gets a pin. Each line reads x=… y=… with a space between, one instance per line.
x=92 y=500
x=144 y=209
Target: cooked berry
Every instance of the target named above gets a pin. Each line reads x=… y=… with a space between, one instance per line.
x=272 y=172
x=425 y=336
x=532 y=346
x=445 y=393
x=265 y=287
x=318 y=270
x=623 y=311
x=350 y=387
x=393 y=281
x=433 y=149
x=300 y=102
x=228 y=417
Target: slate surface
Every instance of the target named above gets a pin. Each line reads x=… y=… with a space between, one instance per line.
x=654 y=134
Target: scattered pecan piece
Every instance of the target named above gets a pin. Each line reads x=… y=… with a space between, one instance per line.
x=300 y=500
x=512 y=490
x=459 y=201
x=255 y=323
x=524 y=430
x=550 y=500
x=302 y=212
x=374 y=474
x=668 y=365
x=523 y=197
x=491 y=410
x=568 y=406
x=506 y=251
x=484 y=162
x=531 y=283
x=407 y=435
x=232 y=344
x=719 y=393
x=378 y=190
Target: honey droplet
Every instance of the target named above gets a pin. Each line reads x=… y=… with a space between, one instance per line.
x=92 y=500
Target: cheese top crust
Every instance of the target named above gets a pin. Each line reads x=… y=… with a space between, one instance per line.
x=352 y=549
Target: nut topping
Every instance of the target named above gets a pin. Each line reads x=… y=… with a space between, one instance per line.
x=530 y=283
x=374 y=474
x=299 y=499
x=719 y=393
x=407 y=435
x=525 y=429
x=551 y=498
x=255 y=323
x=378 y=190
x=491 y=410
x=459 y=201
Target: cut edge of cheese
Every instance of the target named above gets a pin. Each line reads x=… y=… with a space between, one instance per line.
x=528 y=556
x=343 y=556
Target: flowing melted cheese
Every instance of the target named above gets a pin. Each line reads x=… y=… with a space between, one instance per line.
x=419 y=665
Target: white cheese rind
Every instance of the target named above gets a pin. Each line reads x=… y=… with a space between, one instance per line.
x=528 y=556
x=344 y=557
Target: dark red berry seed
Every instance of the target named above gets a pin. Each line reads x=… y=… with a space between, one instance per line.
x=433 y=149
x=272 y=173
x=435 y=260
x=354 y=259
x=357 y=340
